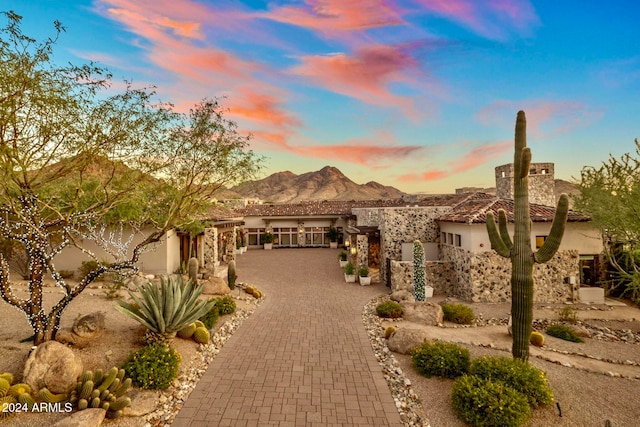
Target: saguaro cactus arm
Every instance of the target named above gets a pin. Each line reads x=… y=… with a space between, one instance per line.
x=552 y=242
x=497 y=242
x=502 y=226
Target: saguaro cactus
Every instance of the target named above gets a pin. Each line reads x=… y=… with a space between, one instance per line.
x=519 y=250
x=418 y=271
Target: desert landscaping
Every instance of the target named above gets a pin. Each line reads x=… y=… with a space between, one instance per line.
x=593 y=382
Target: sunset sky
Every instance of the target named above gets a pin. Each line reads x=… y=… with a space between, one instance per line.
x=418 y=94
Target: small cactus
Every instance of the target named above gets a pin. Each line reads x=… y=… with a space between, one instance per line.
x=199 y=324
x=101 y=390
x=46 y=396
x=18 y=389
x=231 y=275
x=536 y=339
x=389 y=331
x=193 y=270
x=187 y=331
x=201 y=336
x=8 y=376
x=4 y=387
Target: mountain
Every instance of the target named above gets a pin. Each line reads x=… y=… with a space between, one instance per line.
x=326 y=184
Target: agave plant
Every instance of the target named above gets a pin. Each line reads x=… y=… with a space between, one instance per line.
x=167 y=308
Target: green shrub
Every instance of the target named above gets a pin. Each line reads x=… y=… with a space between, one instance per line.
x=87 y=267
x=66 y=274
x=389 y=309
x=342 y=256
x=564 y=333
x=458 y=313
x=349 y=269
x=153 y=367
x=568 y=314
x=526 y=379
x=210 y=317
x=442 y=359
x=226 y=305
x=482 y=402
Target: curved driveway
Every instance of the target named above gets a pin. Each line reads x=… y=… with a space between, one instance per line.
x=302 y=359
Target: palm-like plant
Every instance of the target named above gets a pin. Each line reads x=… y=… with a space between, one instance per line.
x=167 y=308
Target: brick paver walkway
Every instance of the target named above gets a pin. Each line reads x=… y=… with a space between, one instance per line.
x=302 y=359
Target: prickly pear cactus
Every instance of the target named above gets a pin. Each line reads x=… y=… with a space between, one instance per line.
x=418 y=271
x=519 y=250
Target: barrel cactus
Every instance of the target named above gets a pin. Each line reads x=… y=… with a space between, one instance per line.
x=519 y=250
x=418 y=271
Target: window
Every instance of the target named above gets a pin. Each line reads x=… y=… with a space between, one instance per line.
x=540 y=241
x=450 y=238
x=457 y=240
x=443 y=239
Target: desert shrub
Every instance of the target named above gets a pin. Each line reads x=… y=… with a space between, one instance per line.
x=526 y=379
x=442 y=359
x=87 y=267
x=458 y=313
x=389 y=309
x=210 y=317
x=66 y=274
x=226 y=305
x=153 y=367
x=564 y=333
x=482 y=402
x=568 y=314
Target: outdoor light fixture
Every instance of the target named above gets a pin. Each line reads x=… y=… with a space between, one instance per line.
x=347 y=243
x=353 y=250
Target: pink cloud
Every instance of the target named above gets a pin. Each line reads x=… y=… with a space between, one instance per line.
x=545 y=118
x=261 y=107
x=491 y=19
x=432 y=175
x=365 y=75
x=333 y=18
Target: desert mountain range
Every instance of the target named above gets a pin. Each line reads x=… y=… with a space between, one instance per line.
x=329 y=183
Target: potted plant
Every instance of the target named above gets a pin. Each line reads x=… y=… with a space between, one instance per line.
x=349 y=273
x=342 y=257
x=333 y=235
x=363 y=274
x=267 y=239
x=243 y=241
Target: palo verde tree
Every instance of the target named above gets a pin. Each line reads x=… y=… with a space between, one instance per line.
x=519 y=250
x=610 y=194
x=80 y=162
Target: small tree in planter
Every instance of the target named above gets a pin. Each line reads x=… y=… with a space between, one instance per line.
x=342 y=257
x=349 y=273
x=267 y=239
x=363 y=273
x=333 y=235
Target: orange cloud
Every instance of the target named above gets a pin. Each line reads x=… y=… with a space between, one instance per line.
x=335 y=17
x=263 y=108
x=423 y=177
x=365 y=75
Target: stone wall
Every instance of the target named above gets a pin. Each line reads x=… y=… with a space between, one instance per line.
x=486 y=276
x=210 y=254
x=440 y=275
x=398 y=225
x=541 y=183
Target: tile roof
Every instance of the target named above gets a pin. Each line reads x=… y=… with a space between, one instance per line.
x=474 y=211
x=344 y=207
x=467 y=208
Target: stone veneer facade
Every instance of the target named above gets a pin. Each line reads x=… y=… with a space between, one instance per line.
x=541 y=183
x=400 y=225
x=486 y=276
x=440 y=275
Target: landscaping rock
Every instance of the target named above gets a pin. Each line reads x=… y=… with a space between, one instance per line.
x=89 y=326
x=90 y=417
x=143 y=402
x=581 y=331
x=404 y=339
x=215 y=286
x=54 y=366
x=402 y=296
x=66 y=336
x=422 y=312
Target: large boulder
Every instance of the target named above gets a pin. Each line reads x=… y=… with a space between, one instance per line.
x=54 y=366
x=214 y=286
x=422 y=312
x=402 y=296
x=90 y=417
x=89 y=326
x=404 y=339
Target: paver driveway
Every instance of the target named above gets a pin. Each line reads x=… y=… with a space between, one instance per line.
x=302 y=359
